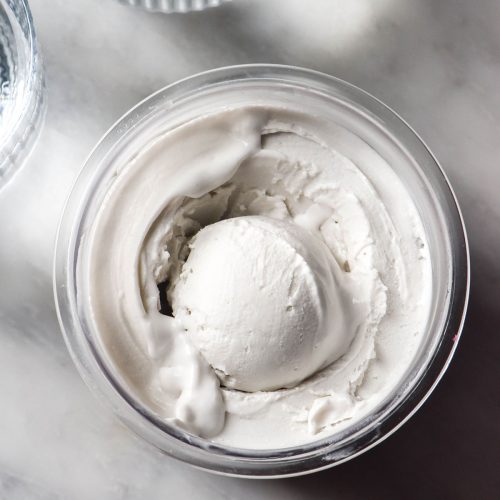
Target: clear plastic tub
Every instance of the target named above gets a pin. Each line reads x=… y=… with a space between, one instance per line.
x=372 y=122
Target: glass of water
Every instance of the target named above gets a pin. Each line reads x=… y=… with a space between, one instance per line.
x=21 y=86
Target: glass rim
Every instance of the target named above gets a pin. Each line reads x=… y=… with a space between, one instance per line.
x=173 y=6
x=283 y=462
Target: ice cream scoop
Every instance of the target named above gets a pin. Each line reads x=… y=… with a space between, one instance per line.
x=264 y=301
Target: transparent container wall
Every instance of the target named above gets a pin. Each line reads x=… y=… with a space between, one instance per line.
x=173 y=5
x=21 y=84
x=339 y=103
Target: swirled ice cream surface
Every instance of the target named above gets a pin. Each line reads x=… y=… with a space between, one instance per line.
x=258 y=277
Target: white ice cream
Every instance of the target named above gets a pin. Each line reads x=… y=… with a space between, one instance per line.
x=265 y=303
x=295 y=266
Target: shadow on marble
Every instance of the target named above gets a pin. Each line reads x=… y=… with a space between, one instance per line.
x=450 y=448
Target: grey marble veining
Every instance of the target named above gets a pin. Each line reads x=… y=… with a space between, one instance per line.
x=436 y=62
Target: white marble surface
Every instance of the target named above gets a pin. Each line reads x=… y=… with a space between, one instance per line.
x=436 y=62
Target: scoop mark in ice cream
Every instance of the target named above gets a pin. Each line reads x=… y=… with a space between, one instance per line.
x=256 y=277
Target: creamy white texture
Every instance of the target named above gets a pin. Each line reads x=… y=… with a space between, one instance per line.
x=270 y=164
x=265 y=302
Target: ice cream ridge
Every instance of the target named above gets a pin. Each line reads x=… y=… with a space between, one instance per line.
x=258 y=277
